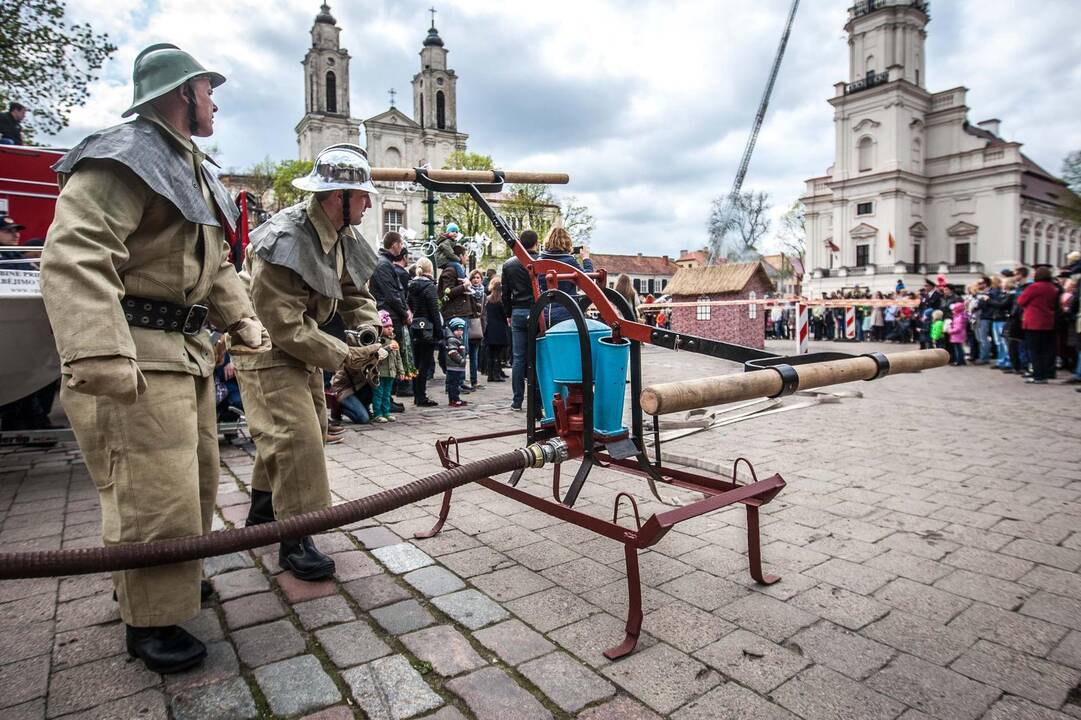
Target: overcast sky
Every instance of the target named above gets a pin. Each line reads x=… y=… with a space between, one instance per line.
x=646 y=103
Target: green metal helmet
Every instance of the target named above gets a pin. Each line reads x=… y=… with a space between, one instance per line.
x=163 y=67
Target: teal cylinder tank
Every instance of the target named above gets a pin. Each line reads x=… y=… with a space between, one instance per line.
x=610 y=359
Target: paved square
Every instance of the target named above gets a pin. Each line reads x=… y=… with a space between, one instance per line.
x=928 y=539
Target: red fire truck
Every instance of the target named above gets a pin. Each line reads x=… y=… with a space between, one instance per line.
x=28 y=188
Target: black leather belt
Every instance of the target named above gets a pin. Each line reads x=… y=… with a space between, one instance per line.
x=165 y=316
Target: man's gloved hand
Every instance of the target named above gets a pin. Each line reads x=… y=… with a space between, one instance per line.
x=109 y=376
x=361 y=359
x=252 y=336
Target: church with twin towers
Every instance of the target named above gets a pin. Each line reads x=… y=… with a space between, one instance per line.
x=391 y=138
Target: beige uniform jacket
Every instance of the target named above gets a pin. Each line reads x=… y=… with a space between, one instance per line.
x=113 y=236
x=292 y=311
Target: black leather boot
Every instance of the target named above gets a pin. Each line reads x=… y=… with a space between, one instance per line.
x=262 y=508
x=165 y=649
x=304 y=559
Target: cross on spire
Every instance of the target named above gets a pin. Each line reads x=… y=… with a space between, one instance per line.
x=432 y=11
x=393 y=93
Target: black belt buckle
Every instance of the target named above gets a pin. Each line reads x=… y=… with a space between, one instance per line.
x=195 y=319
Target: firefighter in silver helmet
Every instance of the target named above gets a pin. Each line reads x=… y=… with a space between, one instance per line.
x=134 y=268
x=305 y=264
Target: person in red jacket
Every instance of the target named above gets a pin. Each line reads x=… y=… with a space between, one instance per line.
x=1038 y=321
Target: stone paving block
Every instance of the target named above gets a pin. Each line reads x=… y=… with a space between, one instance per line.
x=752 y=660
x=984 y=588
x=252 y=609
x=550 y=609
x=147 y=705
x=225 y=563
x=1053 y=580
x=296 y=685
x=717 y=560
x=338 y=712
x=731 y=701
x=621 y=708
x=24 y=680
x=26 y=641
x=542 y=555
x=323 y=611
x=334 y=542
x=447 y=650
x=840 y=649
x=1015 y=708
x=656 y=568
x=1040 y=532
x=705 y=591
x=475 y=561
x=994 y=564
x=568 y=683
x=922 y=600
x=511 y=583
x=84 y=612
x=822 y=694
x=434 y=580
x=513 y=641
x=375 y=591
x=1068 y=652
x=73 y=588
x=581 y=575
x=220 y=664
x=376 y=537
x=402 y=558
x=492 y=695
x=402 y=617
x=446 y=542
x=204 y=626
x=239 y=583
x=662 y=677
x=846 y=548
x=351 y=644
x=263 y=644
x=851 y=576
x=296 y=590
x=931 y=547
x=613 y=598
x=1054 y=608
x=18 y=589
x=1059 y=557
x=94 y=683
x=767 y=617
x=75 y=647
x=1019 y=674
x=841 y=606
x=354 y=564
x=916 y=635
x=1020 y=632
x=471 y=608
x=933 y=689
x=685 y=626
x=389 y=689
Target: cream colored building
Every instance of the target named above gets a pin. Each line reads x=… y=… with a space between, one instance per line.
x=915 y=189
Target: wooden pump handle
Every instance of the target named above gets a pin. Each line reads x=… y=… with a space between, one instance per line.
x=704 y=392
x=470 y=176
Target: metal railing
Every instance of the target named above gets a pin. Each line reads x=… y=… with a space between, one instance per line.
x=868 y=81
x=866 y=6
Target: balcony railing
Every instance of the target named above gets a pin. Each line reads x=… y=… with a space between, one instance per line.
x=868 y=81
x=862 y=7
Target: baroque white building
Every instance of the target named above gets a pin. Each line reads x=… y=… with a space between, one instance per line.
x=915 y=190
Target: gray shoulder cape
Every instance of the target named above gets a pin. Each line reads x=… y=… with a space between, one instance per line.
x=289 y=239
x=143 y=148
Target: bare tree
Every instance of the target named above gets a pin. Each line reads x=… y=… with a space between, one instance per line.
x=577 y=220
x=737 y=225
x=793 y=232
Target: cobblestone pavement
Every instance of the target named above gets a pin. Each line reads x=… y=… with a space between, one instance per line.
x=928 y=539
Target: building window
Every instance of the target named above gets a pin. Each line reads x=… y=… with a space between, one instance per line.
x=1024 y=249
x=917 y=154
x=651 y=285
x=392 y=220
x=866 y=152
x=916 y=252
x=961 y=253
x=702 y=311
x=332 y=92
x=637 y=285
x=664 y=284
x=752 y=306
x=863 y=255
x=865 y=208
x=440 y=111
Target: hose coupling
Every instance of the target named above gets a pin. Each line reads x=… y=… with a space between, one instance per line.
x=540 y=454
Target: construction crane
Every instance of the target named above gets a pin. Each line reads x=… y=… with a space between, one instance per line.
x=719 y=230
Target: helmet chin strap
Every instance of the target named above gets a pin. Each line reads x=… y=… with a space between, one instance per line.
x=345 y=208
x=193 y=117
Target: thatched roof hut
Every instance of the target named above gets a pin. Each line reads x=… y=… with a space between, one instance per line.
x=716 y=279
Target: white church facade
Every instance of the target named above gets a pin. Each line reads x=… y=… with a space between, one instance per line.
x=915 y=190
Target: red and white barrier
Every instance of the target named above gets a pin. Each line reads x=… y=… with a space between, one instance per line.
x=850 y=323
x=802 y=327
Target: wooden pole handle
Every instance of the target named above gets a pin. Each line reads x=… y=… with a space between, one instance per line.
x=470 y=176
x=704 y=392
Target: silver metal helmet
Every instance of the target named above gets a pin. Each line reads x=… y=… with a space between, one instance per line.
x=339 y=167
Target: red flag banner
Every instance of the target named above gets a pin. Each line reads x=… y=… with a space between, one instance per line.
x=892 y=242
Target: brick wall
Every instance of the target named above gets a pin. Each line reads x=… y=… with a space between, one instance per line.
x=729 y=323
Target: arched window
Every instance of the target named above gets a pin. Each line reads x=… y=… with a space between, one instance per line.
x=869 y=65
x=393 y=157
x=917 y=154
x=866 y=151
x=332 y=92
x=440 y=110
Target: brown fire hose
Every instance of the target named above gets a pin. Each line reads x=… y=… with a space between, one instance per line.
x=704 y=392
x=470 y=176
x=162 y=552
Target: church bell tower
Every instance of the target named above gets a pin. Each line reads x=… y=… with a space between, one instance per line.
x=434 y=87
x=326 y=118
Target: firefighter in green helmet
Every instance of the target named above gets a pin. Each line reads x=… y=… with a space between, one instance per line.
x=135 y=268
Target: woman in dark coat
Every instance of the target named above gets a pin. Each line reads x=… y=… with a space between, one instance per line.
x=423 y=304
x=496 y=331
x=1039 y=301
x=559 y=246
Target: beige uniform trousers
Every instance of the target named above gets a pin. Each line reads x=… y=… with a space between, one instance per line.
x=155 y=465
x=287 y=417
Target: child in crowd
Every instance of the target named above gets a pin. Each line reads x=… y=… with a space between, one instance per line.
x=390 y=369
x=958 y=332
x=937 y=332
x=344 y=386
x=455 y=362
x=444 y=251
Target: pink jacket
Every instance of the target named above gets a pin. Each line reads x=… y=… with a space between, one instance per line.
x=958 y=323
